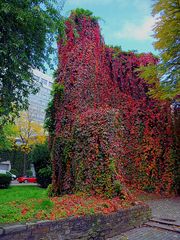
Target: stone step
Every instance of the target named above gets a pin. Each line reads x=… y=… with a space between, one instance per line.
x=172 y=228
x=166 y=221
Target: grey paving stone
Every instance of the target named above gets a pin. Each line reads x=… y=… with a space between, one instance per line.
x=161 y=209
x=168 y=208
x=147 y=233
x=1 y=231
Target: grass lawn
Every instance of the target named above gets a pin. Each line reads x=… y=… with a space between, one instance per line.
x=30 y=203
x=20 y=203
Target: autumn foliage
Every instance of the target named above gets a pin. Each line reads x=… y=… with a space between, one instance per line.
x=107 y=134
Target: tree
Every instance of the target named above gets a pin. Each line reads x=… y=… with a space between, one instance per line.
x=29 y=133
x=167 y=35
x=28 y=31
x=7 y=135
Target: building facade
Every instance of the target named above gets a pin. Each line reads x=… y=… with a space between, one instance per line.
x=38 y=102
x=5 y=165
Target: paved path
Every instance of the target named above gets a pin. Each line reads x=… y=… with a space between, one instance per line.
x=148 y=233
x=16 y=183
x=168 y=209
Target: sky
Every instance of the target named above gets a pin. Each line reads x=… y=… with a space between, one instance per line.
x=126 y=23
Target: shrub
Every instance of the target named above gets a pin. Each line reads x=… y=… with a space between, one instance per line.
x=5 y=180
x=40 y=156
x=44 y=176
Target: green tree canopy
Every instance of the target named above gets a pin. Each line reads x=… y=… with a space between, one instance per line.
x=7 y=136
x=167 y=35
x=28 y=31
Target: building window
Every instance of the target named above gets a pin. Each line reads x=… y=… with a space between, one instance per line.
x=44 y=81
x=36 y=78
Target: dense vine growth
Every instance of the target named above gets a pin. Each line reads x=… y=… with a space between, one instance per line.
x=108 y=134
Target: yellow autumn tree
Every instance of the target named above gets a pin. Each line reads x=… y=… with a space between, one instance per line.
x=29 y=133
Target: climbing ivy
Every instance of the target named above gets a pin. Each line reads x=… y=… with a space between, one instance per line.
x=120 y=136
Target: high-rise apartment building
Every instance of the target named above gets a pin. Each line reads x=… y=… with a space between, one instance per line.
x=38 y=102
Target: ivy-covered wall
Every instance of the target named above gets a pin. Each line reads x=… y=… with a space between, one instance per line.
x=106 y=132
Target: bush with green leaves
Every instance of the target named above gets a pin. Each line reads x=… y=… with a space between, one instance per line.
x=5 y=180
x=40 y=157
x=44 y=176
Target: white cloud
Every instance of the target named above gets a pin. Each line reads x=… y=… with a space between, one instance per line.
x=137 y=32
